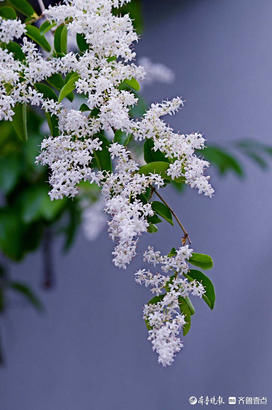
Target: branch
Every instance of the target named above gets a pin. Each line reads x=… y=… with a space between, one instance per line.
x=186 y=235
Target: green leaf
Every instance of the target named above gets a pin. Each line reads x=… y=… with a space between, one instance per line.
x=82 y=43
x=56 y=81
x=28 y=293
x=50 y=210
x=15 y=49
x=154 y=219
x=156 y=299
x=122 y=137
x=209 y=296
x=139 y=109
x=11 y=233
x=157 y=167
x=134 y=9
x=172 y=253
x=179 y=186
x=103 y=158
x=150 y=155
x=19 y=121
x=23 y=7
x=190 y=305
x=68 y=87
x=163 y=211
x=8 y=13
x=185 y=310
x=46 y=91
x=53 y=124
x=46 y=26
x=201 y=260
x=60 y=39
x=10 y=168
x=84 y=108
x=222 y=160
x=32 y=201
x=74 y=220
x=152 y=228
x=35 y=35
x=133 y=83
x=256 y=158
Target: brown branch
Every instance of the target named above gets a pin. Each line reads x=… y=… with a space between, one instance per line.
x=186 y=235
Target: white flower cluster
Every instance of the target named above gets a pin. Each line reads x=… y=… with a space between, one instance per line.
x=10 y=29
x=179 y=148
x=100 y=74
x=128 y=214
x=162 y=315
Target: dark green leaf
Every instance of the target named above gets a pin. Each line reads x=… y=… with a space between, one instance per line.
x=50 y=210
x=53 y=124
x=74 y=220
x=8 y=13
x=46 y=91
x=185 y=310
x=23 y=7
x=157 y=167
x=156 y=299
x=122 y=137
x=68 y=87
x=32 y=236
x=139 y=109
x=19 y=121
x=46 y=26
x=134 y=9
x=172 y=253
x=201 y=260
x=222 y=160
x=32 y=201
x=15 y=49
x=163 y=211
x=150 y=155
x=209 y=296
x=82 y=43
x=60 y=39
x=56 y=81
x=10 y=168
x=35 y=35
x=84 y=108
x=103 y=158
x=11 y=233
x=28 y=293
x=154 y=219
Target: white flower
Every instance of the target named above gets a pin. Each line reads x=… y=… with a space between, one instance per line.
x=163 y=316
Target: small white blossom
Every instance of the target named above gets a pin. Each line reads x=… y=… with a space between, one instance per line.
x=163 y=317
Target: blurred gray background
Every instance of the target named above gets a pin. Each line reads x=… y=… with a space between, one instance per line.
x=89 y=351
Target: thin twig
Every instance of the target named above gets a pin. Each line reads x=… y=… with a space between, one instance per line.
x=186 y=235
